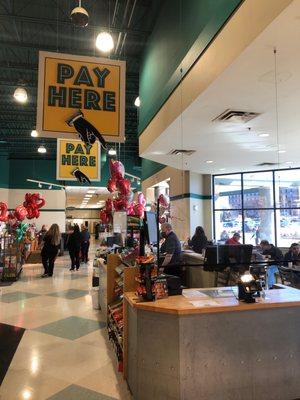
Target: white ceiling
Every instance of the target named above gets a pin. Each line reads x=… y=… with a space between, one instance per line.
x=96 y=196
x=247 y=85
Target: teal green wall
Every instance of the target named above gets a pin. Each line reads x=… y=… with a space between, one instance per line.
x=173 y=43
x=15 y=172
x=4 y=171
x=150 y=168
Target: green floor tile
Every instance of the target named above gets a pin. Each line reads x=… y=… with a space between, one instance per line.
x=70 y=294
x=71 y=328
x=79 y=393
x=16 y=296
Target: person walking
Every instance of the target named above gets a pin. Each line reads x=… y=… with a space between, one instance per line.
x=50 y=249
x=85 y=244
x=74 y=242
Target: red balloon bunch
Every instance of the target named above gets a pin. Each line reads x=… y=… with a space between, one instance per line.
x=33 y=202
x=118 y=183
x=29 y=209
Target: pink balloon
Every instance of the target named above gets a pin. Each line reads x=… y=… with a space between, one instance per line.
x=116 y=168
x=130 y=209
x=141 y=199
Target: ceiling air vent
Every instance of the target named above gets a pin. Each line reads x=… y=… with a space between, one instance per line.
x=266 y=164
x=181 y=152
x=236 y=116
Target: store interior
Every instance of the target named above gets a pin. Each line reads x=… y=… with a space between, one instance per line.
x=149 y=200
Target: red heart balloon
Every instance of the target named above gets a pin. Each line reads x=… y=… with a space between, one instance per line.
x=3 y=212
x=20 y=213
x=104 y=217
x=111 y=185
x=109 y=205
x=130 y=209
x=139 y=210
x=124 y=187
x=163 y=200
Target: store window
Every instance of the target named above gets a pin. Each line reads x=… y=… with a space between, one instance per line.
x=259 y=205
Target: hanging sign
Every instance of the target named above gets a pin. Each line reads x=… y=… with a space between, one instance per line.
x=72 y=156
x=69 y=83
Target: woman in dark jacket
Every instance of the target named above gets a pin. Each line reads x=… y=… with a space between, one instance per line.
x=74 y=242
x=50 y=249
x=198 y=241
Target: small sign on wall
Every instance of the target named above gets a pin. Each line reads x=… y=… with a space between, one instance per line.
x=68 y=83
x=72 y=155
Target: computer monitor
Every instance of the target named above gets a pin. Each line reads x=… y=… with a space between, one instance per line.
x=151 y=227
x=236 y=257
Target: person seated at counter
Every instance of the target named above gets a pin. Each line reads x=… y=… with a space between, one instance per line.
x=199 y=240
x=234 y=240
x=293 y=257
x=274 y=254
x=172 y=249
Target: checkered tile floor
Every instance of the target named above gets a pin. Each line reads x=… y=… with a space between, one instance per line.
x=57 y=346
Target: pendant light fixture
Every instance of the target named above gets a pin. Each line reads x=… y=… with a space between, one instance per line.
x=20 y=94
x=79 y=16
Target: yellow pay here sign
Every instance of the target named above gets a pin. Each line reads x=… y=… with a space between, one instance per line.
x=68 y=83
x=72 y=155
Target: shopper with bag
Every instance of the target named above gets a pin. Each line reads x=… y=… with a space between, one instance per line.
x=85 y=244
x=74 y=241
x=50 y=249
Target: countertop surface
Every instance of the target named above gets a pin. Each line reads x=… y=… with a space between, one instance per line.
x=215 y=300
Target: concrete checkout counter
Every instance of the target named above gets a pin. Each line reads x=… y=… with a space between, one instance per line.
x=196 y=277
x=198 y=346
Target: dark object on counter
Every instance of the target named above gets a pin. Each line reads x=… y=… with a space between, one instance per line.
x=174 y=285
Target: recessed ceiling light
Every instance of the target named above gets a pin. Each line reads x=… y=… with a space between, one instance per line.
x=289 y=162
x=209 y=161
x=281 y=151
x=91 y=191
x=222 y=169
x=88 y=196
x=34 y=133
x=264 y=134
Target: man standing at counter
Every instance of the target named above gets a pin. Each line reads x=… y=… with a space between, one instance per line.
x=172 y=248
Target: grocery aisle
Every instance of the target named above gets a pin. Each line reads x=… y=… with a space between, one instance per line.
x=57 y=342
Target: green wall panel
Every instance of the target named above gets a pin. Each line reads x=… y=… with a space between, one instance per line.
x=178 y=39
x=4 y=171
x=150 y=168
